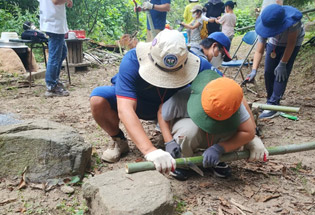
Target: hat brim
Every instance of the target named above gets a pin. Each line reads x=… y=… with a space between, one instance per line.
x=159 y=78
x=292 y=15
x=227 y=57
x=198 y=115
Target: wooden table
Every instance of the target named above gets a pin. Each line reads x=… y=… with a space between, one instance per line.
x=75 y=50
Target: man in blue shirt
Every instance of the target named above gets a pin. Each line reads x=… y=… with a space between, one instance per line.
x=158 y=10
x=148 y=75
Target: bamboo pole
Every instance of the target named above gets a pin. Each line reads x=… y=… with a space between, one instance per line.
x=231 y=156
x=275 y=107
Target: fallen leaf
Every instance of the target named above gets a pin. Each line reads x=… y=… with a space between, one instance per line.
x=37 y=186
x=224 y=202
x=248 y=191
x=22 y=183
x=206 y=184
x=7 y=201
x=233 y=210
x=266 y=198
x=242 y=207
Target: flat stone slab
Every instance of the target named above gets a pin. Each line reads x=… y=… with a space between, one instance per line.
x=118 y=193
x=49 y=150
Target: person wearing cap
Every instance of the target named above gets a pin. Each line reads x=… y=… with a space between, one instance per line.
x=216 y=41
x=148 y=75
x=283 y=28
x=211 y=115
x=188 y=18
x=158 y=10
x=195 y=26
x=228 y=20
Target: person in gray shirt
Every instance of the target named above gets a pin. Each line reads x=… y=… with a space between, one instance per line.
x=209 y=115
x=281 y=28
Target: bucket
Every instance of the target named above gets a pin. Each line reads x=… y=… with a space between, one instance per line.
x=6 y=36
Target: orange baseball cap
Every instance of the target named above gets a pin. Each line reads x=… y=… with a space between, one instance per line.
x=214 y=103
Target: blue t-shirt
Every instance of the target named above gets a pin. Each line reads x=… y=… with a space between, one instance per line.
x=158 y=18
x=129 y=84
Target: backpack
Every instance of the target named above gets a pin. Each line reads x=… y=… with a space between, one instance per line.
x=204 y=30
x=34 y=35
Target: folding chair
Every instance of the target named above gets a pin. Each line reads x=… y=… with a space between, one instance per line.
x=249 y=38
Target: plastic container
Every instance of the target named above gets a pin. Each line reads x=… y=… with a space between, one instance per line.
x=79 y=33
x=6 y=36
x=185 y=35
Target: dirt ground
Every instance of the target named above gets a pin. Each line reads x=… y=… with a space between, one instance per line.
x=284 y=185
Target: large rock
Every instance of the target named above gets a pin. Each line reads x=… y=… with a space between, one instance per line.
x=10 y=62
x=48 y=149
x=118 y=193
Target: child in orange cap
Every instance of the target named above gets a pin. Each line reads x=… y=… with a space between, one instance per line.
x=215 y=119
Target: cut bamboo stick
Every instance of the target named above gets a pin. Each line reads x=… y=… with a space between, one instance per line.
x=275 y=107
x=231 y=156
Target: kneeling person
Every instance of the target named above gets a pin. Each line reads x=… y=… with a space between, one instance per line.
x=215 y=119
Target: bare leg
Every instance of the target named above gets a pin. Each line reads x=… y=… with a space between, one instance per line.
x=104 y=116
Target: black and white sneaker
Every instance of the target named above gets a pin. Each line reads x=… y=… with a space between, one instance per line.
x=57 y=92
x=180 y=174
x=222 y=170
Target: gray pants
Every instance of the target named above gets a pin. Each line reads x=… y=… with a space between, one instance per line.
x=193 y=139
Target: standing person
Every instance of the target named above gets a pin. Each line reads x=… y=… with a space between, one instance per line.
x=53 y=21
x=214 y=9
x=187 y=12
x=195 y=26
x=158 y=10
x=283 y=26
x=148 y=75
x=228 y=20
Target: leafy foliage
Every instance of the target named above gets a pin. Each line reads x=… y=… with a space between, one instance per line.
x=245 y=17
x=108 y=20
x=13 y=20
x=104 y=19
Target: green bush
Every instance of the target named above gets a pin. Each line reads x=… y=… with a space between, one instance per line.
x=245 y=17
x=12 y=21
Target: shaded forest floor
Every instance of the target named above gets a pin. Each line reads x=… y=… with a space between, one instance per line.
x=284 y=185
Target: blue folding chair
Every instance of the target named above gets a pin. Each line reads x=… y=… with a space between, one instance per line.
x=249 y=38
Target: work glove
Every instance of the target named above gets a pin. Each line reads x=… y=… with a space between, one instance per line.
x=162 y=160
x=257 y=150
x=147 y=5
x=281 y=72
x=211 y=157
x=173 y=148
x=251 y=76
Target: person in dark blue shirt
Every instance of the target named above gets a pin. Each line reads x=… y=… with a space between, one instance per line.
x=158 y=10
x=148 y=75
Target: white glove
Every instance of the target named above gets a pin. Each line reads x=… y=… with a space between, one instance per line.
x=162 y=160
x=147 y=5
x=257 y=149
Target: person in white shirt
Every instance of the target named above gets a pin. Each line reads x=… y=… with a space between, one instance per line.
x=53 y=21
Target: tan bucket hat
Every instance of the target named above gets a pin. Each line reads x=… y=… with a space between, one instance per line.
x=196 y=7
x=166 y=62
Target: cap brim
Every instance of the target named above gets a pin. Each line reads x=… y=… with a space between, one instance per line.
x=292 y=15
x=227 y=57
x=197 y=114
x=159 y=78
